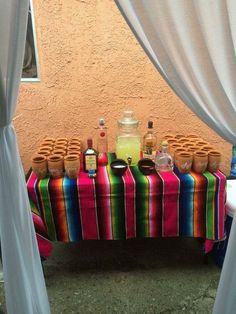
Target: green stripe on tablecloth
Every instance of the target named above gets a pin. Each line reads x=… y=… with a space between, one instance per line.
x=210 y=205
x=142 y=204
x=47 y=209
x=117 y=202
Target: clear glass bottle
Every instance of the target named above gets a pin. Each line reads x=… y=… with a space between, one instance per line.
x=149 y=143
x=90 y=158
x=102 y=145
x=164 y=161
x=128 y=141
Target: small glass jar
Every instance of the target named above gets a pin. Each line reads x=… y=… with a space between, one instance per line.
x=128 y=141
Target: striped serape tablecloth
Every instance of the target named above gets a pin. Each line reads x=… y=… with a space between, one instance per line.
x=133 y=206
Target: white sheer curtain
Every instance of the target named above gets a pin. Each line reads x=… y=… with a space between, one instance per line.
x=192 y=43
x=24 y=283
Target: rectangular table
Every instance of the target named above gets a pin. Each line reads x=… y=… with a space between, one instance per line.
x=133 y=206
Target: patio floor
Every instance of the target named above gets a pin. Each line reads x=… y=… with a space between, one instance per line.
x=138 y=276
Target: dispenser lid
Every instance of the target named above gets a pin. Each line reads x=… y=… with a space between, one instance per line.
x=128 y=119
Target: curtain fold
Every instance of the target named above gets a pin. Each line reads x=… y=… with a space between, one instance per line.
x=25 y=289
x=192 y=43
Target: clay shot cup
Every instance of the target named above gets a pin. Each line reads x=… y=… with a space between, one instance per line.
x=176 y=152
x=169 y=136
x=72 y=165
x=214 y=160
x=173 y=146
x=39 y=166
x=73 y=147
x=46 y=146
x=60 y=147
x=56 y=166
x=44 y=152
x=184 y=161
x=202 y=143
x=200 y=161
x=206 y=148
x=179 y=135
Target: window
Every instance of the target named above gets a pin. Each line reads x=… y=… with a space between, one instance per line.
x=30 y=71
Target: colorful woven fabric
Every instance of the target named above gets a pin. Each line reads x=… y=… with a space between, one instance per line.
x=110 y=207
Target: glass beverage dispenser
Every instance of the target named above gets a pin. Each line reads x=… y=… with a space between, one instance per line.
x=128 y=142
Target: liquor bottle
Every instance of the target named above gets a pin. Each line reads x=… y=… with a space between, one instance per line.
x=102 y=137
x=164 y=161
x=90 y=159
x=149 y=142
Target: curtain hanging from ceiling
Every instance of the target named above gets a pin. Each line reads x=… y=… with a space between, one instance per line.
x=192 y=43
x=25 y=289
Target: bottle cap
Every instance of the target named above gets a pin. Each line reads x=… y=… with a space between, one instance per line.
x=150 y=124
x=90 y=142
x=101 y=121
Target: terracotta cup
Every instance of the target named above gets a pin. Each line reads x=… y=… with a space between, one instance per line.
x=72 y=165
x=202 y=143
x=76 y=138
x=169 y=136
x=187 y=144
x=46 y=146
x=173 y=147
x=192 y=135
x=206 y=148
x=50 y=139
x=62 y=139
x=60 y=146
x=72 y=143
x=176 y=152
x=59 y=152
x=39 y=166
x=74 y=147
x=214 y=159
x=179 y=135
x=193 y=148
x=200 y=161
x=63 y=143
x=44 y=152
x=183 y=140
x=184 y=161
x=55 y=166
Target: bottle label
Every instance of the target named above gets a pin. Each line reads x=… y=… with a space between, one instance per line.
x=90 y=163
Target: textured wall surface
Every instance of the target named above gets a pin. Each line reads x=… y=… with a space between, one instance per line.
x=91 y=66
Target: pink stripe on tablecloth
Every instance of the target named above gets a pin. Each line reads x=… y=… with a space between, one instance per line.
x=154 y=206
x=221 y=204
x=170 y=204
x=130 y=210
x=88 y=207
x=104 y=204
x=31 y=188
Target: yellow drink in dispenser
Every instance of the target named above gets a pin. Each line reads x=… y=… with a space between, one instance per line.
x=128 y=142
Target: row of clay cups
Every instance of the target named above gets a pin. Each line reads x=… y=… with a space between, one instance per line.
x=58 y=150
x=190 y=147
x=55 y=165
x=199 y=161
x=178 y=136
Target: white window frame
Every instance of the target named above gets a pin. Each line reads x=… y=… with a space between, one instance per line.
x=33 y=79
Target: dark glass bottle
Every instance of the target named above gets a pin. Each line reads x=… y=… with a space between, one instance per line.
x=90 y=157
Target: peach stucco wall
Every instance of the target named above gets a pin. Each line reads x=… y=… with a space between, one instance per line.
x=91 y=65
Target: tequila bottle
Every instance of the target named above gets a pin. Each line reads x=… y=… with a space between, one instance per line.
x=149 y=143
x=164 y=161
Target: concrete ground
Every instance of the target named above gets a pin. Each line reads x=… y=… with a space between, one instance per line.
x=161 y=276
